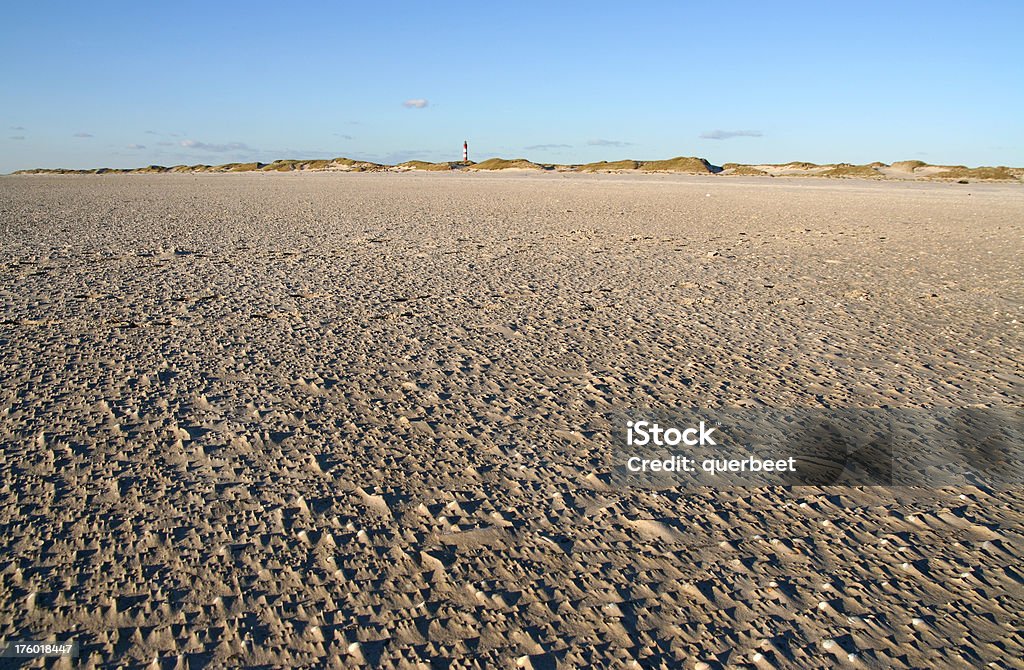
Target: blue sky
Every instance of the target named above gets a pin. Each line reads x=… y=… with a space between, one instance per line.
x=129 y=84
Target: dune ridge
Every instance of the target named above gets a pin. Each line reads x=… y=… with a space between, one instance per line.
x=900 y=170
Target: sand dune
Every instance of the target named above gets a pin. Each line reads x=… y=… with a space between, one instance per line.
x=902 y=170
x=325 y=419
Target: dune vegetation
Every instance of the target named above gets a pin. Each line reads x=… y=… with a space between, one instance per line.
x=912 y=169
x=506 y=164
x=743 y=170
x=605 y=166
x=679 y=164
x=909 y=166
x=434 y=167
x=848 y=170
x=1000 y=173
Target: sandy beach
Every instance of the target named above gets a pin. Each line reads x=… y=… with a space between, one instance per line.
x=328 y=419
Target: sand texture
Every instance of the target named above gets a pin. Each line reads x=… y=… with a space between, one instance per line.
x=337 y=419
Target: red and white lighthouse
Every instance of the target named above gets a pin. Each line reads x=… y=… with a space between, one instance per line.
x=465 y=151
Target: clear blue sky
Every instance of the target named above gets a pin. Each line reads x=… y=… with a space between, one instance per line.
x=124 y=84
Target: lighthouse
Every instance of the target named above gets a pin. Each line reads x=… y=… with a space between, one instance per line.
x=465 y=151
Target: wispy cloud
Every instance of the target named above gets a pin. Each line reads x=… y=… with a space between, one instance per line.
x=609 y=143
x=727 y=134
x=403 y=155
x=165 y=144
x=16 y=137
x=83 y=135
x=545 y=147
x=152 y=132
x=344 y=137
x=136 y=146
x=18 y=128
x=396 y=157
x=292 y=152
x=216 y=148
x=416 y=103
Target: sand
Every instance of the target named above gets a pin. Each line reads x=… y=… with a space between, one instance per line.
x=340 y=419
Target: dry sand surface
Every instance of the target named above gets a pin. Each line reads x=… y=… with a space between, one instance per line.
x=332 y=419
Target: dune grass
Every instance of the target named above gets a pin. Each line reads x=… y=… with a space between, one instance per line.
x=797 y=165
x=242 y=167
x=688 y=164
x=233 y=167
x=744 y=170
x=428 y=166
x=847 y=170
x=290 y=165
x=1001 y=173
x=680 y=164
x=909 y=165
x=505 y=164
x=352 y=165
x=281 y=165
x=605 y=166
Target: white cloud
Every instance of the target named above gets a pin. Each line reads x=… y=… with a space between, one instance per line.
x=609 y=143
x=726 y=134
x=416 y=103
x=545 y=147
x=403 y=155
x=83 y=135
x=217 y=148
x=136 y=146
